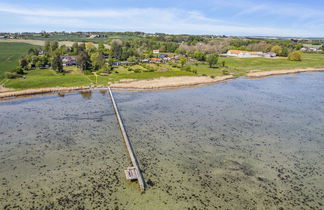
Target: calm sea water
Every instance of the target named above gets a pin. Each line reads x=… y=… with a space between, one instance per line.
x=242 y=144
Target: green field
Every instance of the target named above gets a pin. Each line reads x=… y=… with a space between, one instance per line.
x=48 y=78
x=9 y=55
x=241 y=66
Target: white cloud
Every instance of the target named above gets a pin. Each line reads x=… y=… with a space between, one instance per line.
x=143 y=19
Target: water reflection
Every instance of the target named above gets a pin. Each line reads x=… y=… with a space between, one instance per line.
x=86 y=94
x=103 y=91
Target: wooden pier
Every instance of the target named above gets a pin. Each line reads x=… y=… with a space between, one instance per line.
x=134 y=172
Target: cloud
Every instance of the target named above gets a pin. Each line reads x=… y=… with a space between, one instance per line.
x=270 y=8
x=143 y=19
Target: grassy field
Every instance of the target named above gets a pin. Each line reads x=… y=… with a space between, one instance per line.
x=48 y=78
x=9 y=55
x=241 y=66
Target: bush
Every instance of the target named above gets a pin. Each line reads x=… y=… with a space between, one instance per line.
x=186 y=68
x=295 y=56
x=12 y=75
x=225 y=72
x=137 y=71
x=277 y=49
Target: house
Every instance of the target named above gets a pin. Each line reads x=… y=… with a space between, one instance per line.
x=163 y=56
x=145 y=60
x=94 y=36
x=2 y=37
x=249 y=54
x=119 y=63
x=68 y=60
x=156 y=60
x=156 y=51
x=270 y=55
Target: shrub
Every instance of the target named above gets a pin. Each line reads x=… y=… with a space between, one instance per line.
x=225 y=72
x=277 y=49
x=295 y=56
x=12 y=75
x=213 y=77
x=212 y=59
x=137 y=71
x=186 y=68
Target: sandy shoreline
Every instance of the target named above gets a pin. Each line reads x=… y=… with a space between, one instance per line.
x=281 y=72
x=159 y=83
x=169 y=82
x=40 y=91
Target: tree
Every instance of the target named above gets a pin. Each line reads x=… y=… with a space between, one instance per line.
x=183 y=61
x=75 y=48
x=97 y=60
x=212 y=59
x=82 y=46
x=54 y=45
x=295 y=56
x=42 y=61
x=57 y=63
x=101 y=47
x=47 y=46
x=23 y=63
x=298 y=46
x=200 y=56
x=277 y=49
x=83 y=60
x=89 y=45
x=116 y=49
x=285 y=52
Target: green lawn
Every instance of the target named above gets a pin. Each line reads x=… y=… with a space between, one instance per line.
x=241 y=66
x=9 y=55
x=41 y=78
x=266 y=64
x=11 y=52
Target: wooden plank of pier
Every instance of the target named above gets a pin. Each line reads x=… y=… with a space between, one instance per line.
x=128 y=144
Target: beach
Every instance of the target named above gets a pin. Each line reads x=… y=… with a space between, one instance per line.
x=158 y=83
x=280 y=72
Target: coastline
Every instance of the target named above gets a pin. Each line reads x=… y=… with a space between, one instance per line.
x=40 y=91
x=170 y=82
x=260 y=74
x=158 y=83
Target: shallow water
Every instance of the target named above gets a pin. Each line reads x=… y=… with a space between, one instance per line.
x=241 y=144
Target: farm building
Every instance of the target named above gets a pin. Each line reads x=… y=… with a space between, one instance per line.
x=68 y=60
x=156 y=60
x=249 y=54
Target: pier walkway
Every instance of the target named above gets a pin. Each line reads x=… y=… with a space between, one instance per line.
x=134 y=172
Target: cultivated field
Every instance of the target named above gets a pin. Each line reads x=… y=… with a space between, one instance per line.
x=9 y=55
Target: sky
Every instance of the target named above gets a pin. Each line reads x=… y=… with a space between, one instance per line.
x=293 y=18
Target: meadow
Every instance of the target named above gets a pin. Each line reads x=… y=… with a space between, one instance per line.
x=9 y=55
x=42 y=78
